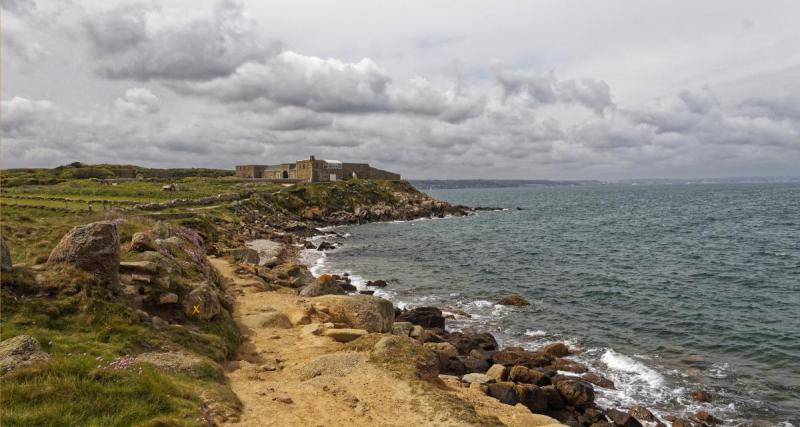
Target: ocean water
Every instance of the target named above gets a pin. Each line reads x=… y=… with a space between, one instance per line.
x=668 y=289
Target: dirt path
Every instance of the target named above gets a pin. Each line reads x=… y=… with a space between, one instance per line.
x=287 y=375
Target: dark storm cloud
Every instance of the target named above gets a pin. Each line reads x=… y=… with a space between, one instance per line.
x=129 y=43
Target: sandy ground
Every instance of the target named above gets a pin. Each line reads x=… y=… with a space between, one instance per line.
x=286 y=375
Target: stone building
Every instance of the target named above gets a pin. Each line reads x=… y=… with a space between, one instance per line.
x=314 y=170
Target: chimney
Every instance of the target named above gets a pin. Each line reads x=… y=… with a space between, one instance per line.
x=312 y=158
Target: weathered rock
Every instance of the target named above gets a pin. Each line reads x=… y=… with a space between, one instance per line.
x=474 y=364
x=5 y=256
x=245 y=255
x=445 y=351
x=702 y=416
x=576 y=392
x=641 y=413
x=532 y=397
x=469 y=340
x=554 y=398
x=598 y=380
x=345 y=335
x=366 y=292
x=700 y=396
x=296 y=275
x=404 y=350
x=326 y=246
x=477 y=378
x=498 y=372
x=350 y=288
x=519 y=356
x=323 y=285
x=505 y=392
x=270 y=319
x=522 y=374
x=570 y=366
x=556 y=349
x=427 y=317
x=377 y=283
x=138 y=267
x=402 y=328
x=92 y=247
x=20 y=351
x=622 y=419
x=168 y=298
x=515 y=300
x=141 y=242
x=367 y=312
x=202 y=302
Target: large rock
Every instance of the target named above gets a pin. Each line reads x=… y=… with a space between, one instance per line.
x=642 y=414
x=469 y=340
x=245 y=255
x=142 y=242
x=323 y=285
x=554 y=398
x=556 y=349
x=92 y=247
x=598 y=380
x=522 y=374
x=445 y=351
x=515 y=300
x=20 y=351
x=622 y=419
x=570 y=366
x=519 y=356
x=498 y=373
x=505 y=392
x=477 y=378
x=374 y=314
x=576 y=392
x=427 y=317
x=292 y=275
x=5 y=256
x=532 y=396
x=345 y=335
x=202 y=302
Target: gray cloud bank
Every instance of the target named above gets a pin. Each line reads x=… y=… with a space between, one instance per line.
x=212 y=89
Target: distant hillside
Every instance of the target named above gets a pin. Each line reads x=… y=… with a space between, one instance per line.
x=438 y=184
x=77 y=170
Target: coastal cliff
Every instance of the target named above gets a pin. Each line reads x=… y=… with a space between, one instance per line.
x=205 y=316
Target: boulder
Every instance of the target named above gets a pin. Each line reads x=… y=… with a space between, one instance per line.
x=202 y=302
x=700 y=396
x=326 y=246
x=367 y=312
x=622 y=419
x=475 y=364
x=407 y=352
x=444 y=351
x=532 y=397
x=138 y=267
x=345 y=335
x=5 y=256
x=245 y=255
x=703 y=417
x=323 y=285
x=365 y=292
x=556 y=349
x=522 y=374
x=511 y=356
x=294 y=275
x=498 y=373
x=402 y=328
x=505 y=392
x=554 y=399
x=570 y=366
x=427 y=317
x=142 y=242
x=377 y=283
x=468 y=340
x=168 y=298
x=20 y=351
x=641 y=413
x=598 y=380
x=576 y=392
x=92 y=247
x=515 y=300
x=477 y=378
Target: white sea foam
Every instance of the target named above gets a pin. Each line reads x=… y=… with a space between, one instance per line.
x=638 y=370
x=536 y=333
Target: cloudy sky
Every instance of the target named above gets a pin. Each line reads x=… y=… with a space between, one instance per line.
x=561 y=89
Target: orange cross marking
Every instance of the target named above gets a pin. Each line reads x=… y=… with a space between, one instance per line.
x=196 y=309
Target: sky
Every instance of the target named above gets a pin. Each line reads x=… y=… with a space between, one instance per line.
x=538 y=89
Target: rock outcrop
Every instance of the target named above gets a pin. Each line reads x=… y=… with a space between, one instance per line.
x=373 y=314
x=323 y=285
x=92 y=247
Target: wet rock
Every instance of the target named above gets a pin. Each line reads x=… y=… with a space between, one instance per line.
x=323 y=285
x=576 y=392
x=366 y=292
x=622 y=419
x=20 y=351
x=598 y=380
x=92 y=247
x=202 y=302
x=554 y=398
x=642 y=414
x=5 y=256
x=505 y=392
x=427 y=317
x=532 y=397
x=350 y=288
x=556 y=349
x=326 y=246
x=468 y=340
x=514 y=300
x=345 y=335
x=477 y=378
x=367 y=312
x=377 y=283
x=569 y=366
x=519 y=356
x=700 y=396
x=705 y=418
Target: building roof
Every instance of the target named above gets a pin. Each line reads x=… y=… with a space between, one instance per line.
x=338 y=162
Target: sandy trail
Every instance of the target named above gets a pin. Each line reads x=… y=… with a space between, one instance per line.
x=286 y=375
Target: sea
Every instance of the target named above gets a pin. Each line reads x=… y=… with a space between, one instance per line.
x=665 y=289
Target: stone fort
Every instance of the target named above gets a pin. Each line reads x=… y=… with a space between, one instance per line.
x=314 y=170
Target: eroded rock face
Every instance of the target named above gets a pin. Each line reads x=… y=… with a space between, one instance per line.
x=20 y=351
x=92 y=247
x=5 y=256
x=367 y=312
x=576 y=392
